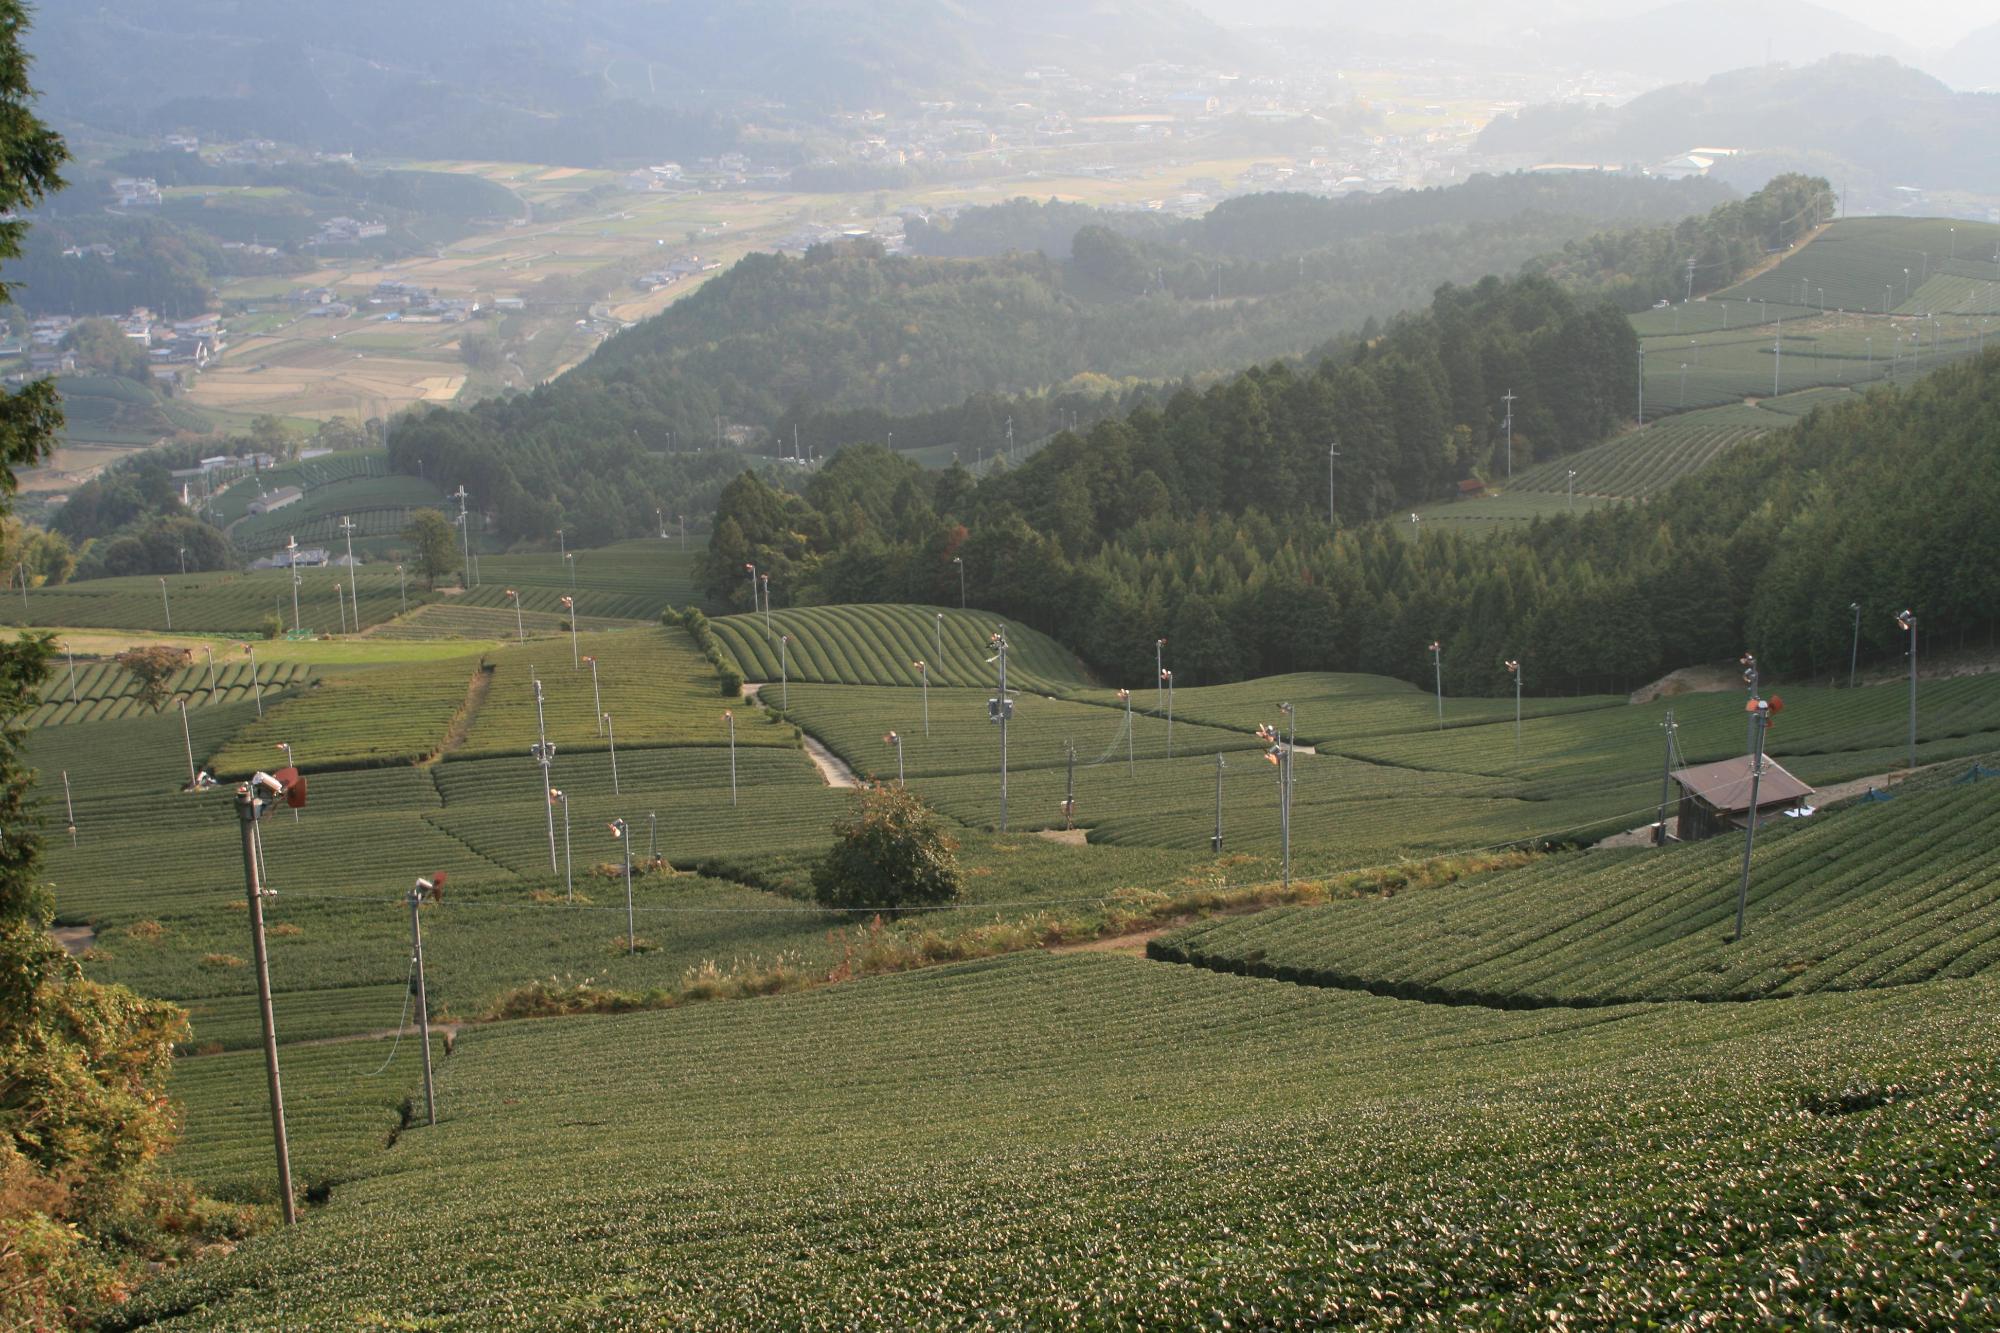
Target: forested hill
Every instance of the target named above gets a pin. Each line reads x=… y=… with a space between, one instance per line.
x=550 y=81
x=1887 y=502
x=1862 y=120
x=784 y=343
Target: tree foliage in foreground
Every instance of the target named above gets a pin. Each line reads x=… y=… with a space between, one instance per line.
x=84 y=1115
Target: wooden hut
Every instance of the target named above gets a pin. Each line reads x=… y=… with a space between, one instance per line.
x=1715 y=798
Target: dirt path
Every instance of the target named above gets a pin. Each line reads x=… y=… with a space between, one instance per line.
x=476 y=691
x=1135 y=945
x=76 y=939
x=833 y=770
x=830 y=765
x=1069 y=837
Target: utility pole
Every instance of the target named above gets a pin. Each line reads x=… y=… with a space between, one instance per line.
x=1666 y=778
x=423 y=1002
x=1690 y=282
x=209 y=653
x=612 y=735
x=1760 y=718
x=69 y=808
x=70 y=653
x=1778 y=356
x=464 y=531
x=402 y=588
x=1001 y=710
x=166 y=604
x=545 y=755
x=520 y=629
x=248 y=807
x=765 y=579
x=347 y=526
x=1215 y=842
x=596 y=696
x=924 y=681
x=1159 y=665
x=1509 y=399
x=1168 y=678
x=1642 y=386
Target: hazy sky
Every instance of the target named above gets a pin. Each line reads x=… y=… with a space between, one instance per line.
x=1921 y=22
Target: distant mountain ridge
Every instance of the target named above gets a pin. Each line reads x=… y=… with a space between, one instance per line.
x=546 y=80
x=1856 y=120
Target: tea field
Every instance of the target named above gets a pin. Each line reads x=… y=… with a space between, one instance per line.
x=879 y=645
x=219 y=603
x=1873 y=894
x=1107 y=1142
x=105 y=691
x=1879 y=265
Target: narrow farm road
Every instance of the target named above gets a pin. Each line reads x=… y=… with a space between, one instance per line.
x=832 y=768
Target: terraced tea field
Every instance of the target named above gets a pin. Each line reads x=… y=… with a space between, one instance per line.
x=1642 y=461
x=105 y=691
x=877 y=645
x=630 y=581
x=381 y=506
x=1878 y=264
x=220 y=603
x=357 y=717
x=1883 y=894
x=1249 y=1146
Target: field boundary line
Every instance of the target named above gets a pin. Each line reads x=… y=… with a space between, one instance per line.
x=460 y=726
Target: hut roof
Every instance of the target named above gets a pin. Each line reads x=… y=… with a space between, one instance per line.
x=1725 y=785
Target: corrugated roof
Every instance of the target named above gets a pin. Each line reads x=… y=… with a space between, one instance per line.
x=1726 y=784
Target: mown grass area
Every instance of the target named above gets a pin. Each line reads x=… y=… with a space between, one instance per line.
x=1108 y=1142
x=655 y=684
x=1874 y=894
x=879 y=645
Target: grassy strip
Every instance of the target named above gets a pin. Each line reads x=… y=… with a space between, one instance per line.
x=882 y=946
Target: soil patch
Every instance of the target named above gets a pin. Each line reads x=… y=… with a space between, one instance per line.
x=76 y=939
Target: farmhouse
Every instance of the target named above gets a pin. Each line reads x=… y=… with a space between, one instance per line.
x=1715 y=798
x=276 y=499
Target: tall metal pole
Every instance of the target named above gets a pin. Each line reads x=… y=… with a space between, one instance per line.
x=423 y=1001
x=1508 y=398
x=69 y=808
x=209 y=653
x=256 y=685
x=1160 y=667
x=1854 y=649
x=612 y=734
x=569 y=605
x=169 y=606
x=753 y=586
x=1666 y=779
x=785 y=682
x=937 y=647
x=1437 y=666
x=347 y=526
x=1003 y=710
x=464 y=532
x=959 y=561
x=22 y=569
x=569 y=862
x=1751 y=679
x=624 y=836
x=924 y=682
x=1908 y=621
x=765 y=579
x=1285 y=776
x=1130 y=770
x=653 y=838
x=520 y=628
x=402 y=588
x=545 y=755
x=896 y=739
x=1332 y=514
x=729 y=716
x=1514 y=670
x=1215 y=843
x=70 y=653
x=1760 y=717
x=596 y=696
x=1170 y=712
x=248 y=807
x=292 y=548
x=1069 y=785
x=188 y=737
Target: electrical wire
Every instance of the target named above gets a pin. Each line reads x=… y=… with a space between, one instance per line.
x=403 y=1023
